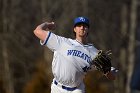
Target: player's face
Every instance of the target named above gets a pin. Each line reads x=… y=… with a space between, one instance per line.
x=81 y=30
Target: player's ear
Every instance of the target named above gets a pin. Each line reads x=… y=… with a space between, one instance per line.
x=74 y=29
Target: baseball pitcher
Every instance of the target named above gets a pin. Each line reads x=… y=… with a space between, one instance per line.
x=73 y=57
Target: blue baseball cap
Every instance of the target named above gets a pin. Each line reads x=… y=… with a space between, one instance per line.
x=81 y=20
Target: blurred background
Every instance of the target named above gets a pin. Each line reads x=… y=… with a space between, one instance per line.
x=25 y=65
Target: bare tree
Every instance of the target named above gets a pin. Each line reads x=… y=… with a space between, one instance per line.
x=132 y=40
x=119 y=84
x=8 y=82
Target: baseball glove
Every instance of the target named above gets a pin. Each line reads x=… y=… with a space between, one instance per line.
x=102 y=61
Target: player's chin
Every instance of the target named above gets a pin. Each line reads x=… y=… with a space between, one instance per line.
x=83 y=34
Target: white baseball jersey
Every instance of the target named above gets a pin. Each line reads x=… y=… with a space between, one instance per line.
x=71 y=59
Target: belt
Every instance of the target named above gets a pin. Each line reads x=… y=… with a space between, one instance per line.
x=65 y=87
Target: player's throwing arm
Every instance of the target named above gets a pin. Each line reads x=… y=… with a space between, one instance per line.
x=42 y=30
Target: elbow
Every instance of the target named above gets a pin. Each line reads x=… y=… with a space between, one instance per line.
x=36 y=32
x=42 y=35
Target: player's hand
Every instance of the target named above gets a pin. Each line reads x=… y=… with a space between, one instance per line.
x=48 y=26
x=51 y=26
